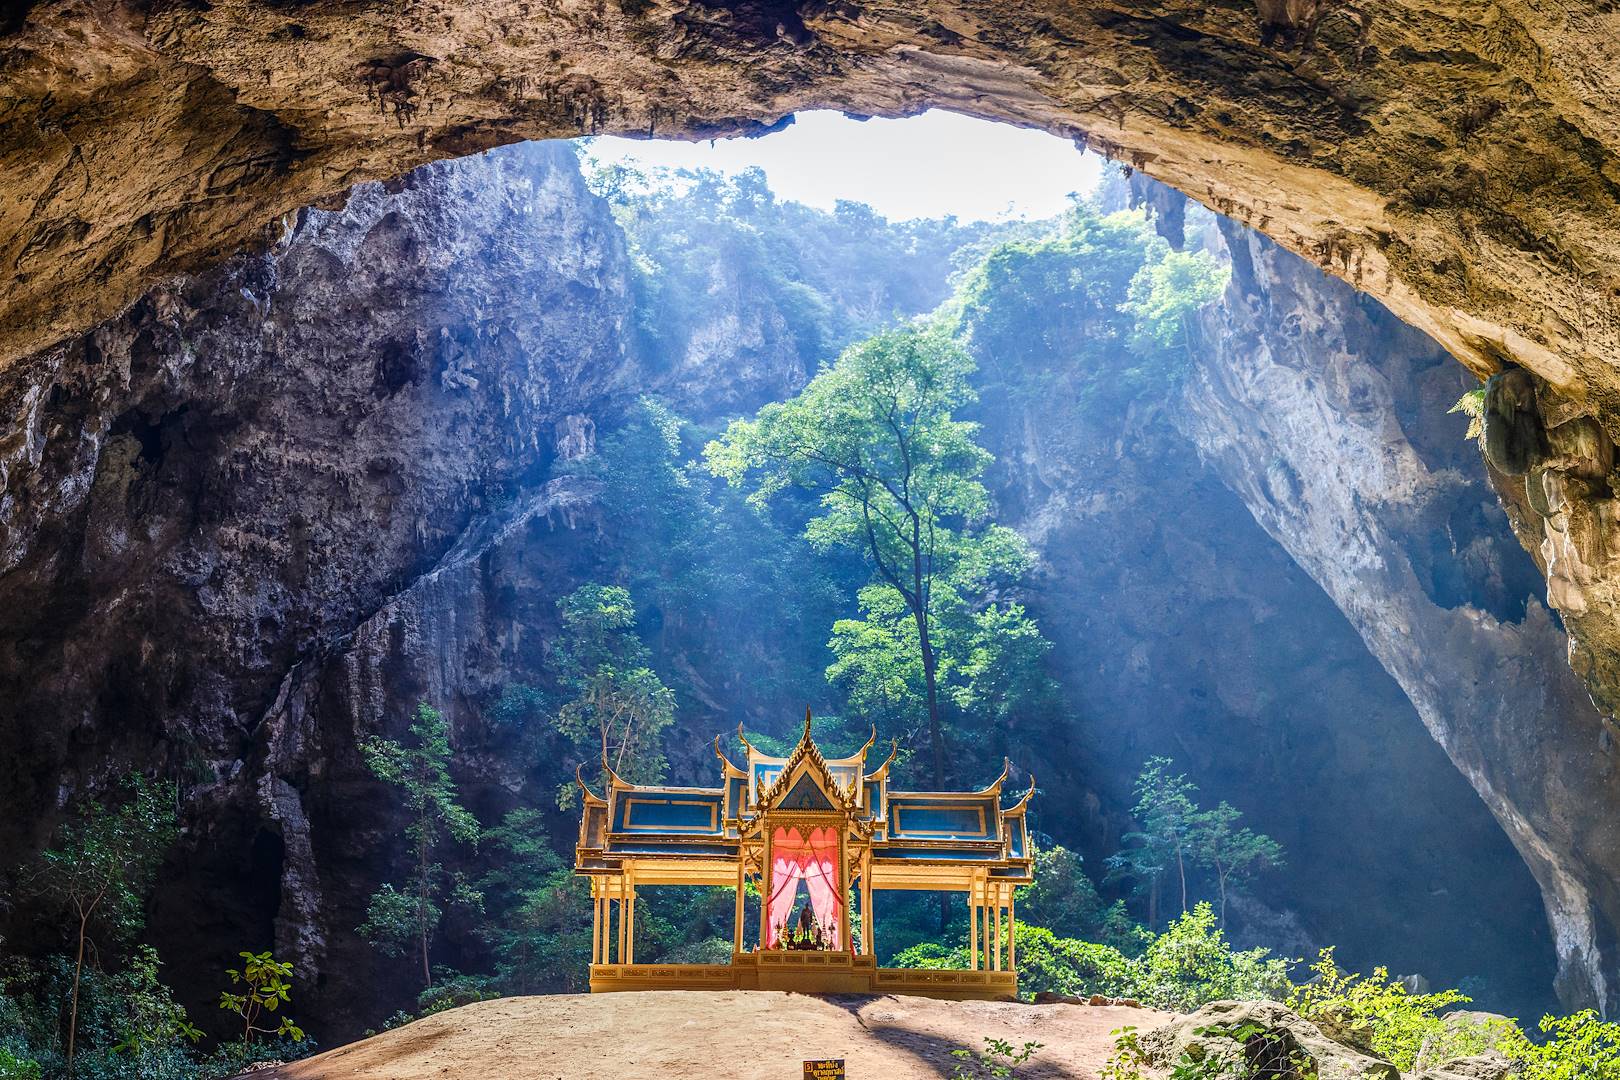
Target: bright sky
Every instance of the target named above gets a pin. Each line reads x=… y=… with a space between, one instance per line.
x=931 y=165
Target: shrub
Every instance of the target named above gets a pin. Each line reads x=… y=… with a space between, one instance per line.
x=997 y=1061
x=263 y=979
x=1074 y=968
x=13 y=1067
x=1578 y=1047
x=1391 y=1021
x=1191 y=964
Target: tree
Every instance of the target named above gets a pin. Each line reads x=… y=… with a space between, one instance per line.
x=421 y=771
x=875 y=436
x=1234 y=854
x=1165 y=295
x=619 y=702
x=265 y=988
x=1166 y=818
x=100 y=868
x=539 y=926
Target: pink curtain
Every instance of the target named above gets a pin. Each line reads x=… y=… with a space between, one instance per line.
x=787 y=848
x=821 y=876
x=813 y=860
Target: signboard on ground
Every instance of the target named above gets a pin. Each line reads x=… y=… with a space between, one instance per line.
x=825 y=1069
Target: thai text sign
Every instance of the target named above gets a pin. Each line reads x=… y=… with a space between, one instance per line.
x=826 y=1069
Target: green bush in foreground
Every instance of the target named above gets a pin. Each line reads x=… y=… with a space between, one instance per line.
x=1578 y=1047
x=1384 y=1016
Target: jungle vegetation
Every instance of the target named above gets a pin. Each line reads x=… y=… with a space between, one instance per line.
x=853 y=522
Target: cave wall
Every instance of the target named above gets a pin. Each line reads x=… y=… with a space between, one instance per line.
x=1458 y=162
x=212 y=490
x=1328 y=419
x=261 y=513
x=1181 y=629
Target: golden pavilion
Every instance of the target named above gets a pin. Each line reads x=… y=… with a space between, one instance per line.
x=805 y=824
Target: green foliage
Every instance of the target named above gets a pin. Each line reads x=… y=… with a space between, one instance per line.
x=393 y=919
x=997 y=1061
x=1234 y=853
x=1063 y=899
x=265 y=988
x=98 y=871
x=1167 y=817
x=1048 y=963
x=452 y=990
x=1192 y=964
x=875 y=438
x=1391 y=1020
x=832 y=277
x=1164 y=295
x=420 y=770
x=13 y=1067
x=153 y=1022
x=1472 y=405
x=104 y=858
x=736 y=595
x=1578 y=1047
x=1175 y=839
x=1129 y=1057
x=1096 y=314
x=620 y=707
x=539 y=924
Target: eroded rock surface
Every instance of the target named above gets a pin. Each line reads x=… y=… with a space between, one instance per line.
x=258 y=516
x=210 y=491
x=1327 y=419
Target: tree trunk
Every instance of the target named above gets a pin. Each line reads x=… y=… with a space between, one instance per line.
x=73 y=1007
x=1221 y=878
x=1153 y=905
x=422 y=933
x=1181 y=868
x=936 y=735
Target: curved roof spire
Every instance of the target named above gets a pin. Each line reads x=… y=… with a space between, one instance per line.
x=579 y=777
x=1023 y=800
x=721 y=754
x=995 y=785
x=894 y=748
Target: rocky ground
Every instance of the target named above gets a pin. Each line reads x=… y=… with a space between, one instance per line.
x=743 y=1035
x=766 y=1035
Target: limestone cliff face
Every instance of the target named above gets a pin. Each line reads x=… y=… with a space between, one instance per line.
x=1181 y=629
x=1326 y=417
x=1455 y=161
x=209 y=492
x=260 y=514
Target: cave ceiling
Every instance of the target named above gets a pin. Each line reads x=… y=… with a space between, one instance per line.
x=1454 y=160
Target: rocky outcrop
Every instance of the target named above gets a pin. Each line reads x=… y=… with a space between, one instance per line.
x=1327 y=418
x=1247 y=1037
x=210 y=493
x=1181 y=629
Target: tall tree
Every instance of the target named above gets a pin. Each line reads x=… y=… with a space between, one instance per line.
x=620 y=706
x=100 y=868
x=876 y=437
x=421 y=771
x=1234 y=854
x=1167 y=819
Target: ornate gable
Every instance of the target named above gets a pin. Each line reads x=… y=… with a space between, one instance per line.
x=806 y=782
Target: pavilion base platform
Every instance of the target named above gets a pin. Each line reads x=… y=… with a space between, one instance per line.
x=807 y=973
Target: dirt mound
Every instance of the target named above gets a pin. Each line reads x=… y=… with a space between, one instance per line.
x=741 y=1035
